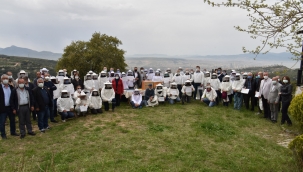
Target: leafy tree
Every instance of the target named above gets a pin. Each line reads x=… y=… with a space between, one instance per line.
x=275 y=22
x=101 y=50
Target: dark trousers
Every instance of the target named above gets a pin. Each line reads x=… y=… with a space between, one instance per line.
x=140 y=106
x=2 y=123
x=24 y=119
x=185 y=98
x=51 y=114
x=179 y=86
x=230 y=97
x=34 y=114
x=43 y=116
x=118 y=99
x=196 y=85
x=218 y=98
x=266 y=108
x=106 y=105
x=250 y=97
x=55 y=107
x=12 y=120
x=285 y=116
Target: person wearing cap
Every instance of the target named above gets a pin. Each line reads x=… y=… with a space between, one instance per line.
x=265 y=87
x=250 y=97
x=11 y=80
x=136 y=100
x=108 y=96
x=137 y=76
x=149 y=94
x=198 y=80
x=81 y=101
x=51 y=88
x=226 y=89
x=22 y=103
x=95 y=102
x=187 y=91
x=215 y=84
x=65 y=105
x=173 y=93
x=209 y=96
x=117 y=85
x=237 y=86
x=43 y=103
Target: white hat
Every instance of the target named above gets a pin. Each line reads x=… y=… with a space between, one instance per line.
x=188 y=81
x=123 y=73
x=64 y=91
x=227 y=76
x=61 y=70
x=22 y=71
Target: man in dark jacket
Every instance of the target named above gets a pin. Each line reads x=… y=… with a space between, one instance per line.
x=22 y=102
x=43 y=102
x=149 y=93
x=6 y=108
x=137 y=76
x=51 y=87
x=249 y=84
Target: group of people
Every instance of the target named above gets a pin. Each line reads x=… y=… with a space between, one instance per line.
x=69 y=95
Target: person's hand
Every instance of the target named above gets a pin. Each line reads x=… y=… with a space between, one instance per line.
x=268 y=102
x=37 y=109
x=259 y=97
x=201 y=85
x=14 y=112
x=32 y=108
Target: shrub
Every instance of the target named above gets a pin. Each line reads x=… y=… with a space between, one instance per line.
x=296 y=108
x=297 y=147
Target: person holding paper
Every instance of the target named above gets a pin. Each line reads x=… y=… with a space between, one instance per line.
x=150 y=99
x=95 y=102
x=273 y=99
x=160 y=92
x=173 y=93
x=136 y=100
x=225 y=90
x=108 y=96
x=209 y=96
x=81 y=104
x=237 y=86
x=264 y=92
x=198 y=80
x=249 y=84
x=65 y=105
x=178 y=80
x=215 y=84
x=187 y=91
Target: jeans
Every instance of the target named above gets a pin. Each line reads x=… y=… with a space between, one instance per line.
x=196 y=85
x=140 y=106
x=66 y=115
x=238 y=99
x=43 y=116
x=171 y=101
x=208 y=102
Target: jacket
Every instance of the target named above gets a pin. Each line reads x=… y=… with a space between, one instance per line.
x=286 y=91
x=211 y=96
x=39 y=102
x=118 y=89
x=273 y=95
x=14 y=100
x=2 y=101
x=253 y=85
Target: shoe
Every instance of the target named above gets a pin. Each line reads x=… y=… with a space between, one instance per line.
x=63 y=121
x=22 y=136
x=54 y=121
x=4 y=137
x=47 y=128
x=31 y=133
x=15 y=134
x=42 y=130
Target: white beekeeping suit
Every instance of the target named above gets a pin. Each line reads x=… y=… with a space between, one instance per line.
x=206 y=78
x=173 y=92
x=177 y=78
x=168 y=70
x=96 y=82
x=60 y=76
x=150 y=74
x=131 y=79
x=107 y=93
x=226 y=87
x=124 y=80
x=102 y=79
x=237 y=84
x=160 y=92
x=111 y=76
x=22 y=73
x=57 y=92
x=185 y=77
x=67 y=85
x=167 y=79
x=181 y=71
x=188 y=89
x=72 y=73
x=88 y=83
x=95 y=102
x=65 y=102
x=157 y=77
x=215 y=82
x=81 y=101
x=244 y=77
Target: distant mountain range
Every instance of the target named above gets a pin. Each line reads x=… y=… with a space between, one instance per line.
x=25 y=52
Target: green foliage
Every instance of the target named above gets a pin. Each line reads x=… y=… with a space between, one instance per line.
x=297 y=146
x=275 y=23
x=296 y=108
x=101 y=50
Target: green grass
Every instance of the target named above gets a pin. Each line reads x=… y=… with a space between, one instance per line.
x=189 y=137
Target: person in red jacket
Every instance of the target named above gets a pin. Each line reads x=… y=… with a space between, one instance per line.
x=118 y=87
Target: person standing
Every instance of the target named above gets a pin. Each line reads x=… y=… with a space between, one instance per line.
x=5 y=107
x=51 y=88
x=249 y=84
x=198 y=80
x=273 y=99
x=137 y=76
x=38 y=75
x=286 y=90
x=258 y=80
x=43 y=103
x=264 y=92
x=77 y=81
x=22 y=102
x=118 y=88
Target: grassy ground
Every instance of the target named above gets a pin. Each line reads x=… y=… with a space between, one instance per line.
x=189 y=137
